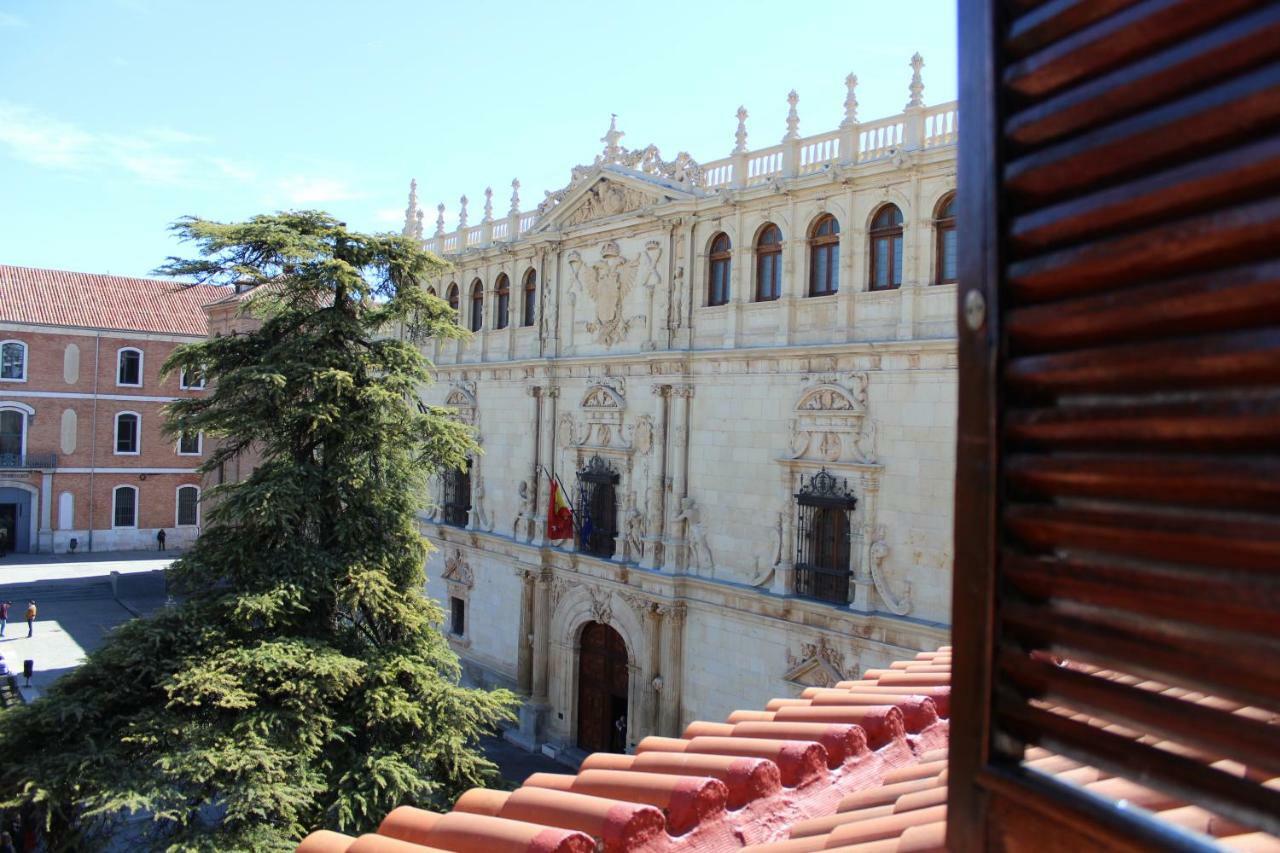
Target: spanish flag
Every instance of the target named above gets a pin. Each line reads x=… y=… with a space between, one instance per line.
x=560 y=516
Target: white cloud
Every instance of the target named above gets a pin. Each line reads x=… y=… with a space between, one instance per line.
x=299 y=189
x=389 y=214
x=43 y=141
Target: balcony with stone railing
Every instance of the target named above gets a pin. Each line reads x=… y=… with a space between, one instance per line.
x=853 y=143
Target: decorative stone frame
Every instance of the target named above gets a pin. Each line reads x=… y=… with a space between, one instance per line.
x=602 y=432
x=572 y=607
x=459 y=580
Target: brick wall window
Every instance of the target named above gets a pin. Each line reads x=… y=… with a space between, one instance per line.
x=13 y=361
x=129 y=367
x=188 y=510
x=124 y=506
x=190 y=443
x=191 y=380
x=128 y=428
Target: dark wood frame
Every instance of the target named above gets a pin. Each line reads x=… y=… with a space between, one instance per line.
x=476 y=320
x=943 y=225
x=828 y=244
x=764 y=252
x=502 y=289
x=885 y=233
x=719 y=260
x=529 y=307
x=177 y=506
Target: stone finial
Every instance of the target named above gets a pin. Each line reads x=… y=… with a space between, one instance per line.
x=462 y=213
x=488 y=204
x=741 y=135
x=793 y=118
x=917 y=85
x=440 y=219
x=612 y=151
x=412 y=215
x=850 y=101
x=515 y=197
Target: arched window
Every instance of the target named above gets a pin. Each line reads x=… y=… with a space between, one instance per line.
x=129 y=366
x=453 y=301
x=13 y=436
x=824 y=256
x=188 y=507
x=13 y=361
x=124 y=506
x=503 y=288
x=477 y=306
x=530 y=298
x=128 y=426
x=769 y=264
x=944 y=224
x=718 y=270
x=886 y=248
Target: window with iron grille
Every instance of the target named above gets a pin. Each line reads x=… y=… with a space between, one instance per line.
x=457 y=496
x=824 y=525
x=597 y=508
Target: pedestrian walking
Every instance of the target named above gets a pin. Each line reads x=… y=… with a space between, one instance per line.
x=160 y=537
x=31 y=618
x=4 y=540
x=4 y=615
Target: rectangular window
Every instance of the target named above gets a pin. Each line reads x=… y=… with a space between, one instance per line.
x=897 y=261
x=126 y=507
x=882 y=264
x=189 y=444
x=458 y=618
x=13 y=361
x=12 y=426
x=192 y=380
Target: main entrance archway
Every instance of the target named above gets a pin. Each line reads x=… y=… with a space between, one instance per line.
x=602 y=689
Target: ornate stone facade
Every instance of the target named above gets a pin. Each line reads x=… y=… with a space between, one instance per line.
x=713 y=415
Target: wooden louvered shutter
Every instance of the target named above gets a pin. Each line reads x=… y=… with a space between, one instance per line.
x=1118 y=479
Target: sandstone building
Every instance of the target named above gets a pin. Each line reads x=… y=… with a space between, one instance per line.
x=82 y=456
x=743 y=373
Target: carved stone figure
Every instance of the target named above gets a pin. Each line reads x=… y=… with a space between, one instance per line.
x=566 y=433
x=698 y=550
x=607 y=199
x=865 y=444
x=642 y=438
x=880 y=550
x=524 y=512
x=634 y=527
x=652 y=274
x=478 y=510
x=457 y=571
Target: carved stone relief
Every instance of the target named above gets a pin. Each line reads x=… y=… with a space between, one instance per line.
x=608 y=282
x=831 y=422
x=697 y=548
x=601 y=608
x=608 y=198
x=818 y=664
x=456 y=570
x=899 y=605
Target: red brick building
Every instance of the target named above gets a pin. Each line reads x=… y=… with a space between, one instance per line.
x=82 y=455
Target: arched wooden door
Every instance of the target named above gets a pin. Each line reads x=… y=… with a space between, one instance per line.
x=602 y=690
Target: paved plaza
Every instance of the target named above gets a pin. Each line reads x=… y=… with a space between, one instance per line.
x=79 y=602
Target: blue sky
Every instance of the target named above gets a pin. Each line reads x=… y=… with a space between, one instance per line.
x=118 y=116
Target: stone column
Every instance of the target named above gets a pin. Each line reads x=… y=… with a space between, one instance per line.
x=672 y=668
x=655 y=522
x=794 y=285
x=524 y=646
x=546 y=405
x=860 y=594
x=653 y=683
x=533 y=714
x=675 y=561
x=740 y=280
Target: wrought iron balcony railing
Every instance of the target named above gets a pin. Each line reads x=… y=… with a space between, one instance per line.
x=28 y=460
x=822 y=584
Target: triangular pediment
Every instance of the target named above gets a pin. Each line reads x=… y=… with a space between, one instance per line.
x=814 y=672
x=607 y=192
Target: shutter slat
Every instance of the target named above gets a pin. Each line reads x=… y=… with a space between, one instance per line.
x=1231 y=48
x=1209 y=482
x=1232 y=542
x=1204 y=122
x=1203 y=303
x=1239 y=601
x=1251 y=171
x=1235 y=359
x=1228 y=734
x=1119 y=38
x=1239 y=799
x=1167 y=651
x=1227 y=236
x=1238 y=424
x=1057 y=19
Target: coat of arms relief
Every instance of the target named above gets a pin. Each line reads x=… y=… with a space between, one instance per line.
x=608 y=282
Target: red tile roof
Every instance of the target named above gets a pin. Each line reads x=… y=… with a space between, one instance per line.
x=88 y=300
x=858 y=767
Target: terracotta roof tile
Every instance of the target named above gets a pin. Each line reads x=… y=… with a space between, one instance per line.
x=93 y=301
x=860 y=768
